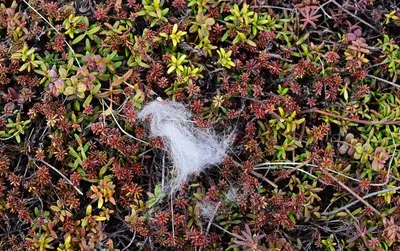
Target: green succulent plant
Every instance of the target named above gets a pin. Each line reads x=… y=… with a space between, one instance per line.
x=225 y=58
x=175 y=35
x=153 y=11
x=14 y=129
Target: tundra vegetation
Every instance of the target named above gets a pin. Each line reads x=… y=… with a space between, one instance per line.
x=306 y=90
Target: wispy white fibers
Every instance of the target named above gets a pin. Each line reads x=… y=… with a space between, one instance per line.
x=191 y=149
x=232 y=194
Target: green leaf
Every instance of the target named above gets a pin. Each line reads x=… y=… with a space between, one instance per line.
x=78 y=139
x=171 y=69
x=55 y=208
x=144 y=65
x=241 y=35
x=72 y=152
x=88 y=100
x=236 y=40
x=77 y=105
x=225 y=36
x=89 y=210
x=36 y=211
x=84 y=222
x=96 y=89
x=100 y=218
x=40 y=72
x=94 y=30
x=100 y=202
x=198 y=196
x=87 y=44
x=30 y=51
x=69 y=90
x=78 y=39
x=102 y=171
x=24 y=66
x=141 y=13
x=249 y=42
x=18 y=138
x=86 y=146
x=151 y=202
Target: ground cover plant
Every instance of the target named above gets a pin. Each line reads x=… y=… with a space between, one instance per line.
x=306 y=91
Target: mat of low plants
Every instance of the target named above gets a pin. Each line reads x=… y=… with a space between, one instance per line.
x=199 y=125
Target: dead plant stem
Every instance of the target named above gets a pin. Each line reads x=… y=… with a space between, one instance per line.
x=350 y=191
x=359 y=121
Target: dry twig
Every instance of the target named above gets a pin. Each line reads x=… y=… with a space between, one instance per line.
x=62 y=175
x=357 y=201
x=350 y=191
x=359 y=121
x=383 y=80
x=54 y=28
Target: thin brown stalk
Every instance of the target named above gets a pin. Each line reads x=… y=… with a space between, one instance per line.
x=293 y=170
x=264 y=178
x=62 y=175
x=383 y=80
x=254 y=173
x=271 y=7
x=357 y=201
x=359 y=121
x=54 y=28
x=358 y=197
x=354 y=16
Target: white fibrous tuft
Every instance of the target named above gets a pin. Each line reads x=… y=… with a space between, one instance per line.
x=232 y=194
x=207 y=209
x=191 y=149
